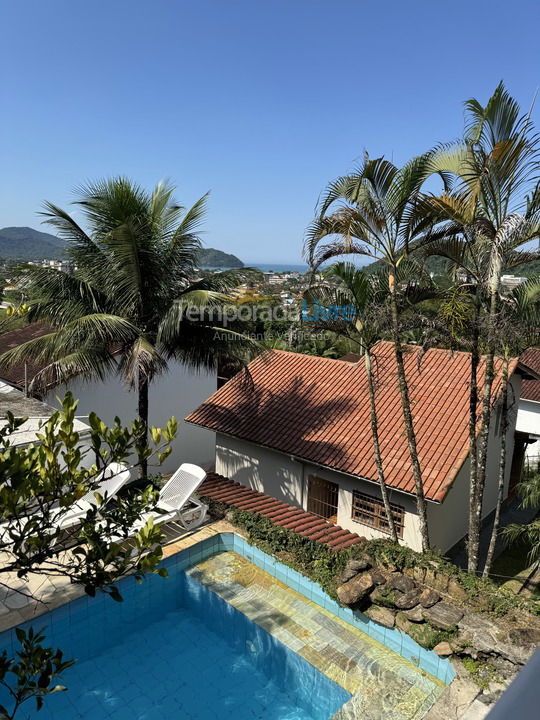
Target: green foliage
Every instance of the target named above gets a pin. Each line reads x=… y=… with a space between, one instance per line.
x=322 y=564
x=42 y=482
x=33 y=673
x=483 y=673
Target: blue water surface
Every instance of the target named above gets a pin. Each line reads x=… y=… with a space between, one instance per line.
x=174 y=649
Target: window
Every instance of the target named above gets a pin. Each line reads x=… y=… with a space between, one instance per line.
x=370 y=511
x=323 y=498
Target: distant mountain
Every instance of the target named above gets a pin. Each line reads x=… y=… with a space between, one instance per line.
x=24 y=243
x=211 y=258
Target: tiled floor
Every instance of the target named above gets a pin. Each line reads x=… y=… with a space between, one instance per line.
x=384 y=685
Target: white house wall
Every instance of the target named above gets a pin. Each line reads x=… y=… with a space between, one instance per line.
x=176 y=393
x=286 y=479
x=528 y=421
x=260 y=469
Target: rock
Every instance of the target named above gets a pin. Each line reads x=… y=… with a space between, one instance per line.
x=428 y=597
x=355 y=590
x=440 y=582
x=403 y=624
x=381 y=615
x=384 y=596
x=419 y=574
x=408 y=600
x=401 y=582
x=488 y=638
x=443 y=615
x=415 y=614
x=456 y=591
x=353 y=567
x=443 y=649
x=378 y=576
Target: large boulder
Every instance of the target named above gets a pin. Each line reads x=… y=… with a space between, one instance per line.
x=406 y=601
x=443 y=615
x=486 y=637
x=351 y=592
x=401 y=582
x=381 y=615
x=353 y=567
x=428 y=597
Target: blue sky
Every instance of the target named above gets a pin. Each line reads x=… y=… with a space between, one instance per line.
x=260 y=102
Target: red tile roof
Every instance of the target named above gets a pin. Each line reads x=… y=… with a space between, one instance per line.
x=15 y=374
x=299 y=521
x=317 y=409
x=530 y=389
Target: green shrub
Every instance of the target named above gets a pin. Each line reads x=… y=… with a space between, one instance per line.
x=323 y=565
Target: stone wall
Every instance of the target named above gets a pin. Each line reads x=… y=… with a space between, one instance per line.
x=435 y=610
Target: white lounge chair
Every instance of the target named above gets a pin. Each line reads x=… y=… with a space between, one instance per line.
x=111 y=480
x=177 y=501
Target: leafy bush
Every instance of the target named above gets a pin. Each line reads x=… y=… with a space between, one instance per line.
x=323 y=565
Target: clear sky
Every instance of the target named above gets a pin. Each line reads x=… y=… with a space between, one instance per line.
x=260 y=102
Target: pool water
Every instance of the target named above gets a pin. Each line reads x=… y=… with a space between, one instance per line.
x=174 y=649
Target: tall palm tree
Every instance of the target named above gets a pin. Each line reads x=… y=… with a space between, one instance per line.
x=494 y=203
x=518 y=328
x=345 y=286
x=131 y=304
x=373 y=212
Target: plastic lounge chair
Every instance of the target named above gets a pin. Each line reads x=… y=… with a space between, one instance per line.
x=112 y=479
x=177 y=502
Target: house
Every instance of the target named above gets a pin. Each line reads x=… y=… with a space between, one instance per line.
x=174 y=393
x=36 y=413
x=528 y=416
x=298 y=428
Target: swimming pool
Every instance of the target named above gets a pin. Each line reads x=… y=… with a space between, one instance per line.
x=174 y=649
x=180 y=648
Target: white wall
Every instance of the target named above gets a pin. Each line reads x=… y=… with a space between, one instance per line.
x=528 y=421
x=175 y=393
x=261 y=469
x=286 y=479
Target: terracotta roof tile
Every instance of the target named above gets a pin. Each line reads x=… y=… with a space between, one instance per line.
x=531 y=388
x=292 y=518
x=317 y=409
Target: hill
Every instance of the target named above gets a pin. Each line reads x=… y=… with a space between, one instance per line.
x=25 y=243
x=212 y=258
x=438 y=266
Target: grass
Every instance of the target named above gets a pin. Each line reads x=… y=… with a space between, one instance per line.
x=512 y=568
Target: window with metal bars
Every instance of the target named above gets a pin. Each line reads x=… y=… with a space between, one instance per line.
x=370 y=511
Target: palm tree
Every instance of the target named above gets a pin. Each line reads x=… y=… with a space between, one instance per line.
x=373 y=212
x=131 y=304
x=518 y=328
x=494 y=203
x=361 y=294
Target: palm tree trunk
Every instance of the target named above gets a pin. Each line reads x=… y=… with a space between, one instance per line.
x=474 y=531
x=407 y=415
x=143 y=416
x=377 y=448
x=502 y=470
x=472 y=557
